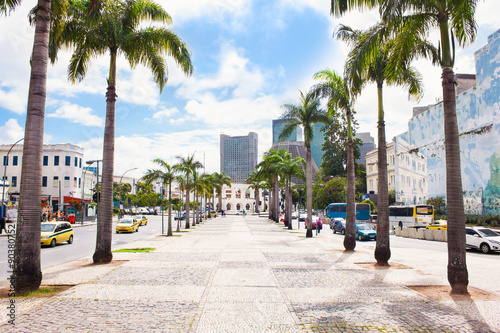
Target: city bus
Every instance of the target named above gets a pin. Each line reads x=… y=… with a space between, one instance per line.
x=413 y=216
x=339 y=210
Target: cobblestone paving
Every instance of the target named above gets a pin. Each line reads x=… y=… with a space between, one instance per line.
x=247 y=274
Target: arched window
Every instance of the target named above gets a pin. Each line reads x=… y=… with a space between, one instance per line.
x=247 y=206
x=238 y=207
x=228 y=206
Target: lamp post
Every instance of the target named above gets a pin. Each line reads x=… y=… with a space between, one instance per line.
x=97 y=184
x=83 y=193
x=121 y=178
x=4 y=176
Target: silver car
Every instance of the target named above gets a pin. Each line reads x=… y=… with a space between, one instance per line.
x=482 y=238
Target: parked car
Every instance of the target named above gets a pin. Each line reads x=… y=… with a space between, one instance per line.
x=151 y=211
x=438 y=225
x=338 y=225
x=483 y=239
x=213 y=213
x=127 y=225
x=365 y=232
x=302 y=215
x=181 y=216
x=56 y=232
x=142 y=211
x=295 y=214
x=143 y=220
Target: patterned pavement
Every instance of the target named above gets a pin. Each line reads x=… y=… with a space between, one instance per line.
x=247 y=274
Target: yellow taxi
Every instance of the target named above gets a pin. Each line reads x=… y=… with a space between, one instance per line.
x=56 y=232
x=213 y=213
x=438 y=225
x=143 y=220
x=127 y=225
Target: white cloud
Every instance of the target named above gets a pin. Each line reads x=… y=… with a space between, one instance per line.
x=77 y=114
x=164 y=113
x=10 y=132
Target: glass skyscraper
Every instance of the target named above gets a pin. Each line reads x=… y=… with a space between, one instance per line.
x=238 y=156
x=278 y=125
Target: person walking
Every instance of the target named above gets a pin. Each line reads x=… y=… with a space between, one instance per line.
x=2 y=225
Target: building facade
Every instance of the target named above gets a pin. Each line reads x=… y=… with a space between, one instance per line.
x=62 y=175
x=278 y=125
x=238 y=155
x=478 y=115
x=406 y=172
x=317 y=143
x=367 y=146
x=241 y=197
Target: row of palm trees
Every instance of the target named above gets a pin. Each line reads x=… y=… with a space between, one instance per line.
x=186 y=174
x=90 y=28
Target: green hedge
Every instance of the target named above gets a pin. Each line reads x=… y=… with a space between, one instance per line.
x=487 y=220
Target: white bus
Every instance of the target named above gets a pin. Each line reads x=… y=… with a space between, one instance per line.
x=414 y=216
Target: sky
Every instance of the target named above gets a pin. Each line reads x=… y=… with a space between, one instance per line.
x=250 y=57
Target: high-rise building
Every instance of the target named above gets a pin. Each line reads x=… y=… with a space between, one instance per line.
x=368 y=145
x=317 y=143
x=278 y=125
x=238 y=156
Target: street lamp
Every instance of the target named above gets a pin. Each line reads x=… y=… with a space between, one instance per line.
x=97 y=183
x=121 y=178
x=4 y=176
x=83 y=193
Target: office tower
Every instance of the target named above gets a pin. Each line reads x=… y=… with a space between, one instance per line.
x=238 y=155
x=278 y=125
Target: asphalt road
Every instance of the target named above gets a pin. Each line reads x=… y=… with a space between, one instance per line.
x=83 y=244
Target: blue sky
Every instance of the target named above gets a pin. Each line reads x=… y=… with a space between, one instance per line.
x=250 y=57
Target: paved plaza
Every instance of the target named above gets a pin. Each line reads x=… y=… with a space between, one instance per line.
x=248 y=274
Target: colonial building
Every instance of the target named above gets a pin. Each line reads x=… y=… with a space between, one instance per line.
x=406 y=172
x=240 y=197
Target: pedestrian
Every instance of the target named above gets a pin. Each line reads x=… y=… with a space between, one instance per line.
x=2 y=224
x=319 y=225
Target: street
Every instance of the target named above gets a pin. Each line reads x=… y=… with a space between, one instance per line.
x=83 y=245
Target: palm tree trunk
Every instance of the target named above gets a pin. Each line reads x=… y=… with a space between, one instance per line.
x=382 y=249
x=220 y=199
x=308 y=190
x=457 y=266
x=257 y=199
x=276 y=189
x=169 y=229
x=350 y=227
x=187 y=204
x=27 y=269
x=270 y=205
x=103 y=252
x=288 y=205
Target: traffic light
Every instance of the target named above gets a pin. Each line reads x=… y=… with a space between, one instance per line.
x=330 y=191
x=96 y=196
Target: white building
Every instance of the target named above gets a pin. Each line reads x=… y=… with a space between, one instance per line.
x=62 y=174
x=406 y=172
x=240 y=197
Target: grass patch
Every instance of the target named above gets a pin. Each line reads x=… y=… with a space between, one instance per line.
x=137 y=249
x=44 y=291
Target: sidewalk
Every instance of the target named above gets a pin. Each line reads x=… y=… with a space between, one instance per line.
x=248 y=274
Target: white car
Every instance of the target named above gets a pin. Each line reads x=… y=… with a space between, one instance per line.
x=482 y=238
x=295 y=214
x=302 y=216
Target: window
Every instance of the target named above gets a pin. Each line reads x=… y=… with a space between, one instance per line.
x=76 y=162
x=79 y=182
x=56 y=181
x=403 y=181
x=67 y=160
x=44 y=181
x=75 y=181
x=66 y=181
x=45 y=160
x=6 y=160
x=14 y=181
x=14 y=160
x=56 y=160
x=423 y=167
x=80 y=163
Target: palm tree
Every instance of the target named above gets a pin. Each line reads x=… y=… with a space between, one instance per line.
x=188 y=166
x=269 y=169
x=368 y=62
x=166 y=176
x=410 y=19
x=207 y=188
x=290 y=167
x=114 y=26
x=337 y=91
x=254 y=179
x=305 y=114
x=220 y=179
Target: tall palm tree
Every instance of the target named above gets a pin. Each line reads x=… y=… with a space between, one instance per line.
x=188 y=166
x=115 y=26
x=255 y=181
x=368 y=62
x=336 y=90
x=269 y=169
x=221 y=179
x=290 y=167
x=410 y=19
x=305 y=114
x=166 y=175
x=207 y=188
